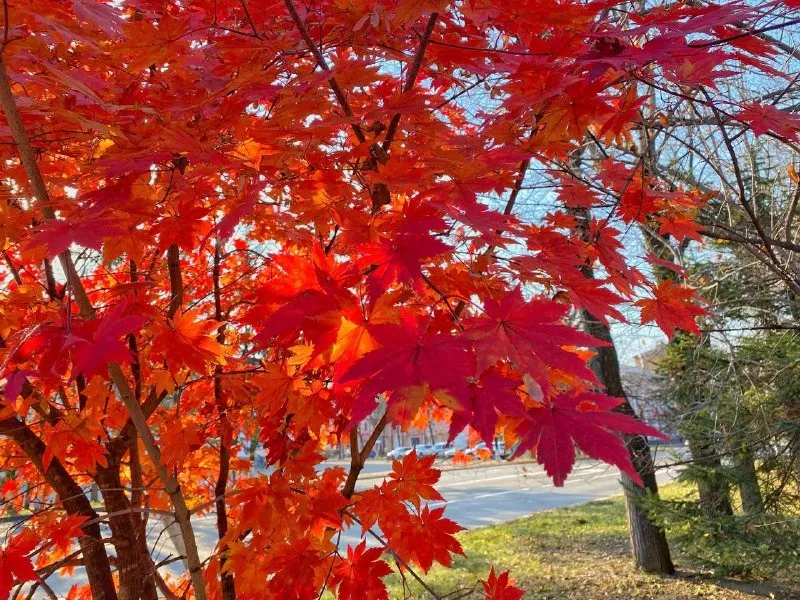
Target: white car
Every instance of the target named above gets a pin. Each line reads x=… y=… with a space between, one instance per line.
x=498 y=451
x=440 y=448
x=450 y=451
x=425 y=450
x=399 y=453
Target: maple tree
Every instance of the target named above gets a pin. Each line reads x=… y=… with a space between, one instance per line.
x=225 y=220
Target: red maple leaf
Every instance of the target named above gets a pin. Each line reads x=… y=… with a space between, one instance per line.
x=764 y=118
x=359 y=575
x=400 y=257
x=98 y=342
x=583 y=419
x=65 y=531
x=376 y=505
x=636 y=200
x=672 y=307
x=592 y=295
x=501 y=587
x=426 y=538
x=90 y=231
x=408 y=358
x=188 y=339
x=297 y=568
x=680 y=226
x=531 y=335
x=492 y=394
x=413 y=479
x=178 y=441
x=15 y=565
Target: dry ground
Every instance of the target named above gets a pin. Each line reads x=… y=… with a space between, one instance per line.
x=579 y=553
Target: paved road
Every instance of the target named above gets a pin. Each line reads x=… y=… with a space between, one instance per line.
x=475 y=497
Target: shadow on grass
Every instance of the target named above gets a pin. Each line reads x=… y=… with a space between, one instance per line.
x=574 y=553
x=754 y=589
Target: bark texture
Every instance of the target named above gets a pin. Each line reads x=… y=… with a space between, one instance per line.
x=648 y=542
x=134 y=567
x=752 y=499
x=73 y=498
x=712 y=486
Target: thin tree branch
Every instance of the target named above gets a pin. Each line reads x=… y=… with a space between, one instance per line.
x=225 y=434
x=412 y=77
x=175 y=280
x=323 y=64
x=740 y=184
x=512 y=199
x=358 y=459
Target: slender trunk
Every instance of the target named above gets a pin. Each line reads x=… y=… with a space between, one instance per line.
x=649 y=545
x=711 y=484
x=135 y=570
x=752 y=499
x=225 y=438
x=251 y=451
x=138 y=499
x=648 y=541
x=98 y=569
x=171 y=486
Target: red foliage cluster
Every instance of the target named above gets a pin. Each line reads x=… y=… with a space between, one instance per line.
x=224 y=220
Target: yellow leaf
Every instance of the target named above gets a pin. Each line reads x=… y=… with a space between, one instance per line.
x=101 y=147
x=163 y=381
x=249 y=151
x=352 y=342
x=301 y=354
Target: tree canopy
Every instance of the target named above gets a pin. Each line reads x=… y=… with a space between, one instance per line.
x=229 y=220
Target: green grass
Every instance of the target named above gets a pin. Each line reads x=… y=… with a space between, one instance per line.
x=580 y=553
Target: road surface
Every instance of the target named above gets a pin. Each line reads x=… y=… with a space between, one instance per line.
x=475 y=497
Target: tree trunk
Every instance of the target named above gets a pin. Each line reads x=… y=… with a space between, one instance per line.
x=98 y=569
x=752 y=500
x=649 y=545
x=430 y=428
x=711 y=485
x=173 y=532
x=135 y=570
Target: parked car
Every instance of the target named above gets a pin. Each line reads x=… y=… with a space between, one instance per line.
x=476 y=448
x=500 y=450
x=398 y=453
x=425 y=450
x=497 y=452
x=451 y=450
x=440 y=448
